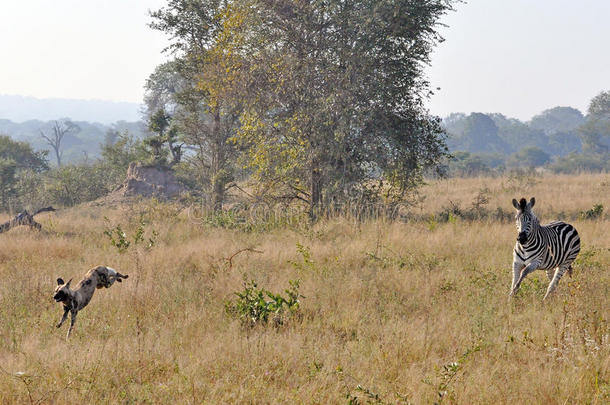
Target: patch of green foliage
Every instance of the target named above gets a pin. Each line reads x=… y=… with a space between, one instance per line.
x=593 y=213
x=254 y=305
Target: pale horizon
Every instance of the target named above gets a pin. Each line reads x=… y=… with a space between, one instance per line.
x=514 y=58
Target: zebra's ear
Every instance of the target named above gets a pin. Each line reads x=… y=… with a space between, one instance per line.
x=515 y=204
x=532 y=202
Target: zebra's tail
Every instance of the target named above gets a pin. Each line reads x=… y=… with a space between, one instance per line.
x=570 y=271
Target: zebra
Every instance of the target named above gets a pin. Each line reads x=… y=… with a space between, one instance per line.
x=552 y=247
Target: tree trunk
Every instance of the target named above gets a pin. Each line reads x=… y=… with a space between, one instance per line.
x=315 y=203
x=218 y=194
x=58 y=155
x=218 y=178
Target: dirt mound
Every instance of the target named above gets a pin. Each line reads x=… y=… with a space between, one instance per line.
x=149 y=181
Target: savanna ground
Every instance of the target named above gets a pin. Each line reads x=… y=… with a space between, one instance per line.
x=409 y=311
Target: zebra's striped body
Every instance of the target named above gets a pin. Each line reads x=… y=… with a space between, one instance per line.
x=552 y=247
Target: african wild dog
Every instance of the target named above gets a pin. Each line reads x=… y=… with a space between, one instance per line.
x=77 y=299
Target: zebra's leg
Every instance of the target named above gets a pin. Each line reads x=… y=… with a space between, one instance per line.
x=527 y=270
x=553 y=284
x=517 y=267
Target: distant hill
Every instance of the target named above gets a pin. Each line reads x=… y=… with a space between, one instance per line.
x=20 y=109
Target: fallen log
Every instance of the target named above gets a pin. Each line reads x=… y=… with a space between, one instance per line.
x=24 y=218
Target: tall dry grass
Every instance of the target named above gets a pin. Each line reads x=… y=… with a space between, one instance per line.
x=412 y=312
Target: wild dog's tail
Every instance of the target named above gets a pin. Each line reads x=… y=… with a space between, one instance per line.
x=111 y=276
x=116 y=275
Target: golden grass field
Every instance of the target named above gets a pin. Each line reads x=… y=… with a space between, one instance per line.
x=414 y=312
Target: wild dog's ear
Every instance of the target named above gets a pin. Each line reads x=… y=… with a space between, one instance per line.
x=531 y=203
x=60 y=281
x=515 y=204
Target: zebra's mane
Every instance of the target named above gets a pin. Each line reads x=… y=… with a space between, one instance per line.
x=522 y=204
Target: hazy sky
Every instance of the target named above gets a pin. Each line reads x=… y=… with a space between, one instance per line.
x=517 y=57
x=87 y=49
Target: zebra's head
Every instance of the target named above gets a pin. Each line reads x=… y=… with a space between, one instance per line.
x=525 y=218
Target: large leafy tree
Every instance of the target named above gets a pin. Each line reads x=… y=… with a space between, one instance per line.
x=194 y=90
x=334 y=91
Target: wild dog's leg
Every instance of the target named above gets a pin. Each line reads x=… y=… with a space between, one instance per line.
x=517 y=267
x=550 y=273
x=527 y=270
x=64 y=317
x=73 y=312
x=553 y=284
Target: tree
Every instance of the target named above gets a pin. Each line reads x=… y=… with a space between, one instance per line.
x=466 y=164
x=119 y=150
x=8 y=180
x=195 y=90
x=529 y=157
x=600 y=106
x=557 y=119
x=595 y=132
x=480 y=134
x=561 y=143
x=581 y=162
x=74 y=184
x=517 y=134
x=333 y=93
x=163 y=90
x=160 y=124
x=454 y=124
x=23 y=155
x=15 y=158
x=59 y=130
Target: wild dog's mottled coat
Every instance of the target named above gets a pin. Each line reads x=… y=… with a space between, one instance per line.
x=77 y=299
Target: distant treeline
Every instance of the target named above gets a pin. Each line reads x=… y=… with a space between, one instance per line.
x=561 y=139
x=82 y=143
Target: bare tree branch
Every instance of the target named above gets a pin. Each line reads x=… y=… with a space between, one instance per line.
x=249 y=249
x=24 y=218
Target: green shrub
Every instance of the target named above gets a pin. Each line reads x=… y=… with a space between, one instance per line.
x=593 y=213
x=72 y=185
x=256 y=305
